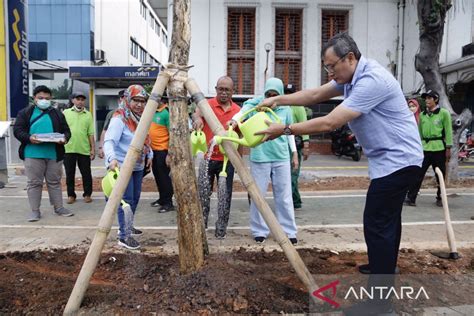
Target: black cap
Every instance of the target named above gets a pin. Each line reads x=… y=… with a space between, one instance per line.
x=121 y=93
x=290 y=88
x=430 y=93
x=78 y=94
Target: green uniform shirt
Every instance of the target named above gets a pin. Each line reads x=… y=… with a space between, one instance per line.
x=43 y=125
x=299 y=115
x=81 y=126
x=436 y=124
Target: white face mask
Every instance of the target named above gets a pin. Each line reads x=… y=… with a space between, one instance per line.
x=43 y=104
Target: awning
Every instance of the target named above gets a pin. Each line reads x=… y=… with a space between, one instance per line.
x=115 y=76
x=460 y=70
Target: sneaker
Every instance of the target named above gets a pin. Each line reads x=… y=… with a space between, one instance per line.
x=409 y=202
x=136 y=232
x=439 y=203
x=62 y=211
x=259 y=239
x=294 y=241
x=87 y=199
x=155 y=203
x=166 y=208
x=71 y=199
x=129 y=243
x=365 y=269
x=221 y=236
x=34 y=216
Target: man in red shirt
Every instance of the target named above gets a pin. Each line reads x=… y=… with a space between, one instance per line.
x=224 y=109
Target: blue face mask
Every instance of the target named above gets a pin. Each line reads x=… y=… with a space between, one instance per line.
x=43 y=104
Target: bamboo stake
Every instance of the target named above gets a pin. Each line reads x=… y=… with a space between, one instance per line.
x=244 y=175
x=105 y=223
x=449 y=226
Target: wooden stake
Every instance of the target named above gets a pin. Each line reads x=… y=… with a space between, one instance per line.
x=105 y=223
x=244 y=175
x=447 y=217
x=192 y=240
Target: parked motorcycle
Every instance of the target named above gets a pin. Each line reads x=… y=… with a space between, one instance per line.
x=344 y=143
x=466 y=150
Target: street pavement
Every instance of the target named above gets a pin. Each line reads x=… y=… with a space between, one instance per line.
x=328 y=220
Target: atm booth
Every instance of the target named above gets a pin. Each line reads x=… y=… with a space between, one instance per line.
x=106 y=81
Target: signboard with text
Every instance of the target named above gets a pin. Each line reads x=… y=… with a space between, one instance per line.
x=106 y=72
x=18 y=55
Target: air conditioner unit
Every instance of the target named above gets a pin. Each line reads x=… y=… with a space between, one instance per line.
x=99 y=55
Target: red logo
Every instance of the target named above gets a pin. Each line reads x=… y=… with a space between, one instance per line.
x=332 y=286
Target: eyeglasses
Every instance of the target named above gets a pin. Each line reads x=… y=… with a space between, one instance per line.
x=330 y=68
x=139 y=101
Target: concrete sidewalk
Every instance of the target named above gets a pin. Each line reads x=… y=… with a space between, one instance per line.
x=329 y=220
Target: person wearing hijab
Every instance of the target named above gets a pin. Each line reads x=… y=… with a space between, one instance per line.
x=414 y=107
x=117 y=141
x=270 y=162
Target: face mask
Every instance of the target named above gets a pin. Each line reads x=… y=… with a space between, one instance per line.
x=77 y=109
x=43 y=104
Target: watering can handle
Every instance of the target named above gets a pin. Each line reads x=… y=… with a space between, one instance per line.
x=277 y=119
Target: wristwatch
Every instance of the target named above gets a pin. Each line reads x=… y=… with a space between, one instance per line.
x=287 y=130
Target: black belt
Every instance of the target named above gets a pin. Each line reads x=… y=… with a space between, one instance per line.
x=428 y=139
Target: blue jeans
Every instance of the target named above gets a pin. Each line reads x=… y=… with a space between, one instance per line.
x=279 y=174
x=131 y=196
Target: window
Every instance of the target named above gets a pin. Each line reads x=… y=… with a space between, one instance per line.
x=133 y=48
x=157 y=28
x=288 y=45
x=241 y=49
x=164 y=38
x=152 y=21
x=143 y=9
x=143 y=55
x=333 y=22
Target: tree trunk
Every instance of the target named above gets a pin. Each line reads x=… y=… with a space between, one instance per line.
x=191 y=235
x=431 y=19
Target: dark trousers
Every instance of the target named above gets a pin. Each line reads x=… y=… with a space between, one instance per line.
x=161 y=172
x=84 y=164
x=434 y=159
x=383 y=220
x=295 y=174
x=215 y=167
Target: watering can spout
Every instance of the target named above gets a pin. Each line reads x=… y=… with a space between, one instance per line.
x=241 y=141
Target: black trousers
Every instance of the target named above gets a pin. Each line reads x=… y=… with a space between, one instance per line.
x=434 y=159
x=383 y=218
x=84 y=164
x=161 y=172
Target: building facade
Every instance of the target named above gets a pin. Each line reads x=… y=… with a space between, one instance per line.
x=108 y=44
x=254 y=40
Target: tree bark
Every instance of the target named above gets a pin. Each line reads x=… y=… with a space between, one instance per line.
x=191 y=235
x=431 y=20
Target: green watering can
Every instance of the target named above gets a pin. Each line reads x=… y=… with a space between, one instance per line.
x=254 y=124
x=233 y=135
x=198 y=142
x=108 y=183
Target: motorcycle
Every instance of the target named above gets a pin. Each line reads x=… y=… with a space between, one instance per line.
x=467 y=148
x=344 y=143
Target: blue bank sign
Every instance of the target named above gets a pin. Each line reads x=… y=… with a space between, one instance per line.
x=18 y=56
x=104 y=73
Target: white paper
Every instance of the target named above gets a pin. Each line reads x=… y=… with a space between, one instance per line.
x=4 y=126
